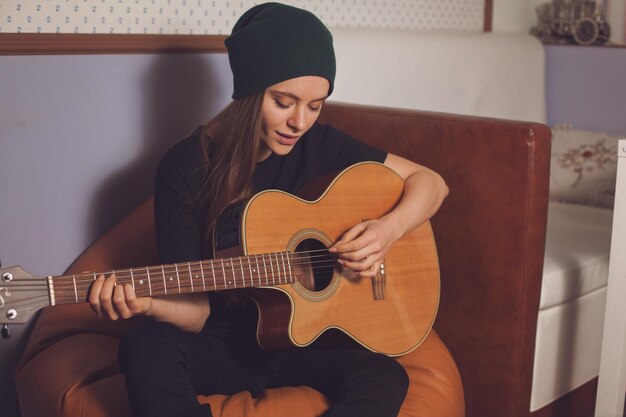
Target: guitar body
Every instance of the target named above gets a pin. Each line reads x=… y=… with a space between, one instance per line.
x=391 y=314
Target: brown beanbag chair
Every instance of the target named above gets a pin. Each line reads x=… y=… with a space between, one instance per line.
x=70 y=369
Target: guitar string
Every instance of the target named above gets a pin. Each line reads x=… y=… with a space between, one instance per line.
x=200 y=264
x=184 y=270
x=66 y=282
x=195 y=265
x=196 y=269
x=156 y=284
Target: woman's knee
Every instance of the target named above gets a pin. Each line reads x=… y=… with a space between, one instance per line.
x=389 y=386
x=396 y=377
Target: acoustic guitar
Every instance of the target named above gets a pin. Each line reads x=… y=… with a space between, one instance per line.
x=274 y=248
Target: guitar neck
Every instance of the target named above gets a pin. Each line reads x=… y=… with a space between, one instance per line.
x=267 y=269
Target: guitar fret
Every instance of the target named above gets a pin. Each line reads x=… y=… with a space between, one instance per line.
x=250 y=268
x=279 y=262
x=289 y=265
x=164 y=281
x=149 y=283
x=203 y=281
x=224 y=272
x=53 y=300
x=232 y=266
x=132 y=278
x=284 y=269
x=278 y=266
x=257 y=268
x=265 y=267
x=177 y=276
x=213 y=271
x=243 y=275
x=190 y=275
x=75 y=289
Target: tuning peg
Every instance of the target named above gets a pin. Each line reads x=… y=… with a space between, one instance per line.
x=5 y=331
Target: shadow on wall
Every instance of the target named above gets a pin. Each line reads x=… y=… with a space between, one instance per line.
x=181 y=93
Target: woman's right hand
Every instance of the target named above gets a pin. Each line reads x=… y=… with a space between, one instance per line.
x=116 y=301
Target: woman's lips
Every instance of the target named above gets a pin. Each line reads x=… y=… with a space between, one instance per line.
x=288 y=140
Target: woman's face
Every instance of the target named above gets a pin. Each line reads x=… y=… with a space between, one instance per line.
x=289 y=109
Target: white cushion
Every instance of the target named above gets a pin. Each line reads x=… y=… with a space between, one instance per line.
x=578 y=241
x=567 y=348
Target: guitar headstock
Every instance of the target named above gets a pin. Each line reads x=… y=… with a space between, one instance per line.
x=21 y=295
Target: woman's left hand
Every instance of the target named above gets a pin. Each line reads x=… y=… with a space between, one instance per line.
x=364 y=246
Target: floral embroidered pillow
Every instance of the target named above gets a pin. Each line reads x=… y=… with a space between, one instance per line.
x=583 y=167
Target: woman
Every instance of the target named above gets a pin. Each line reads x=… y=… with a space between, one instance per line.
x=283 y=67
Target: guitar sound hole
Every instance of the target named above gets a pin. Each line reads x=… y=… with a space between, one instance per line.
x=314 y=266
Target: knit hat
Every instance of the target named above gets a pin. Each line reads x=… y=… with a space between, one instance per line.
x=273 y=42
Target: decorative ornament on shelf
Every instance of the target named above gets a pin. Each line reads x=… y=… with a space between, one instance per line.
x=569 y=21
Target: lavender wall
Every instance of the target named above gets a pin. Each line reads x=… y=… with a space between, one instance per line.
x=80 y=137
x=586 y=87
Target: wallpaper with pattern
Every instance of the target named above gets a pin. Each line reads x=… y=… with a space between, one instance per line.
x=218 y=16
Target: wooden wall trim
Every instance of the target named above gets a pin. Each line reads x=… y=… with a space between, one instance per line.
x=71 y=43
x=488 y=19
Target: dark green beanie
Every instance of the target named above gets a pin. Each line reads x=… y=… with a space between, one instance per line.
x=272 y=42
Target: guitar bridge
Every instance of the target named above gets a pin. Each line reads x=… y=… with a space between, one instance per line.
x=378 y=283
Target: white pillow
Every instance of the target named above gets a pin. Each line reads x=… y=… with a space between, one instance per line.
x=583 y=167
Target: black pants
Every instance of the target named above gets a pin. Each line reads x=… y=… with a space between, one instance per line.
x=165 y=367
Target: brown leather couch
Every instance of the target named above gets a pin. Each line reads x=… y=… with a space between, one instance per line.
x=490 y=237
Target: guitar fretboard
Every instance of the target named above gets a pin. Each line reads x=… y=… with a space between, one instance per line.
x=186 y=277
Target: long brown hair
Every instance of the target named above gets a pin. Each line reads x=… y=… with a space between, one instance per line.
x=230 y=145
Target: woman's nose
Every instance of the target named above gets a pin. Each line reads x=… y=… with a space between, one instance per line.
x=297 y=121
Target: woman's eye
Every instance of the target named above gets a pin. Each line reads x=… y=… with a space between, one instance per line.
x=281 y=105
x=315 y=108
